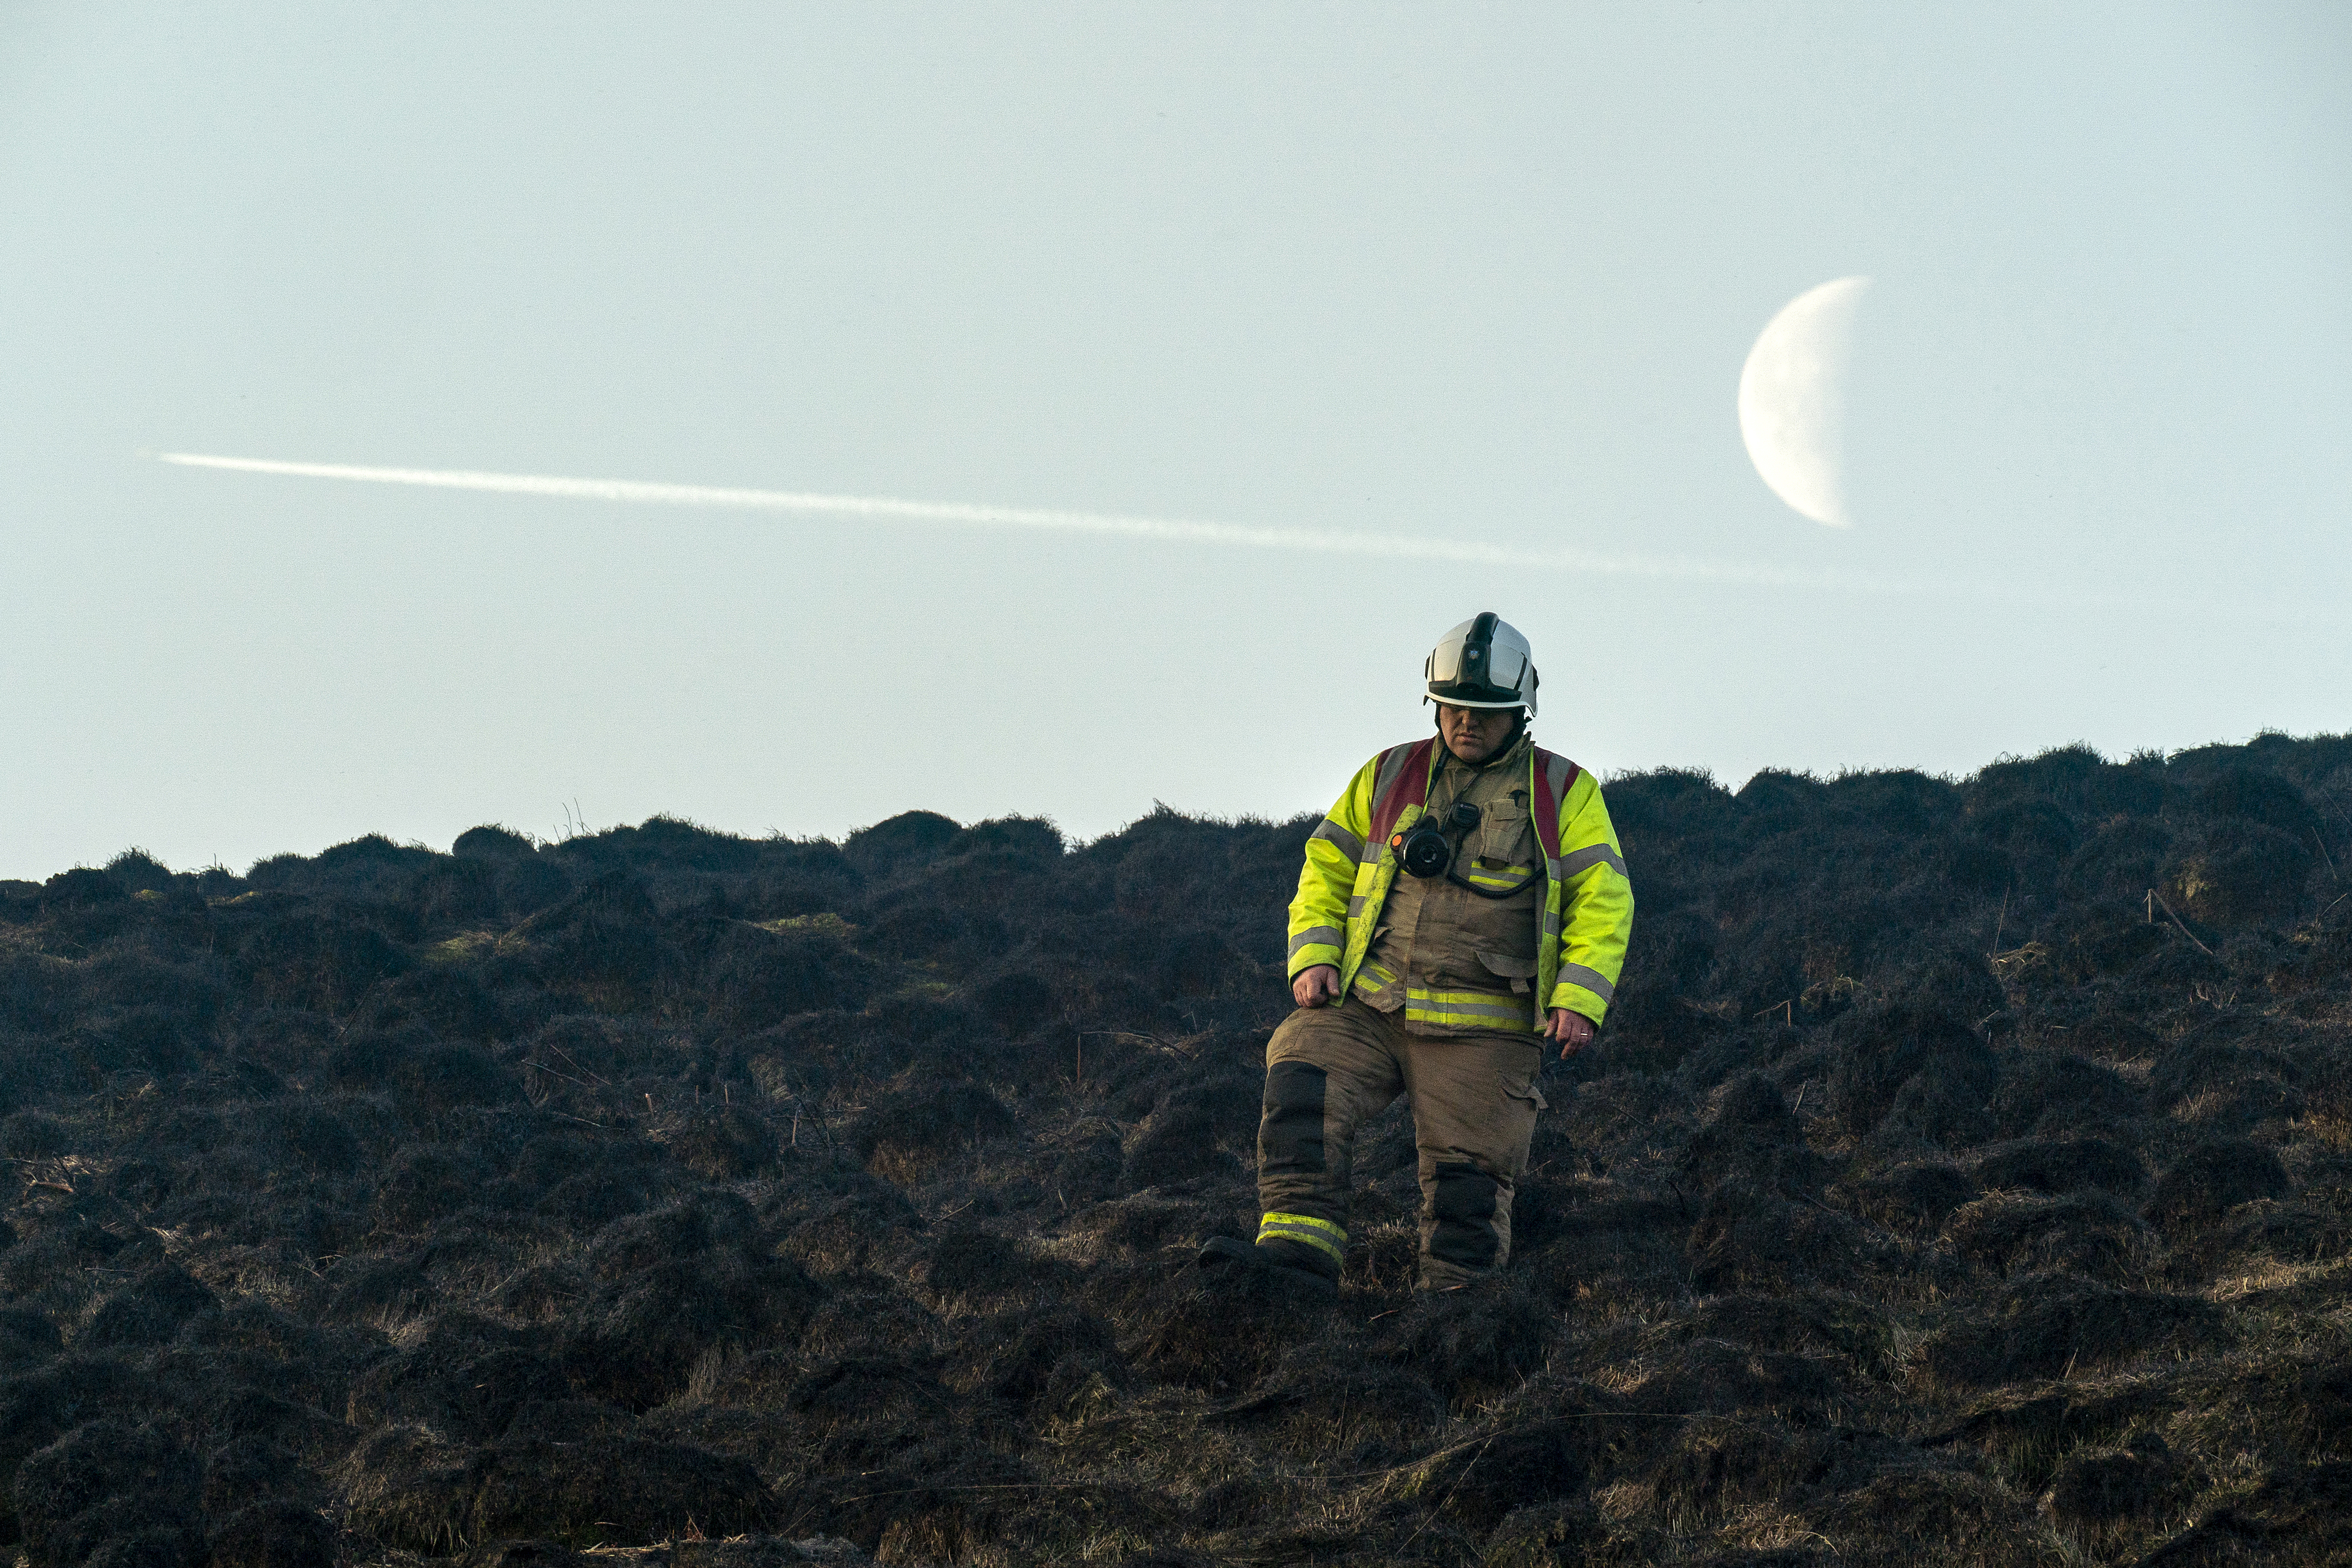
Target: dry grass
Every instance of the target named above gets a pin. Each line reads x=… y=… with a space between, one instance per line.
x=1787 y=1278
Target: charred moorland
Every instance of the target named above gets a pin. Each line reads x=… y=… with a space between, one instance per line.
x=1965 y=1177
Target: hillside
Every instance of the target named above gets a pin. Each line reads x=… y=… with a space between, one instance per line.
x=1965 y=1178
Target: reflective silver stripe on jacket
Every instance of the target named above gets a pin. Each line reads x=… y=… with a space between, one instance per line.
x=1331 y=832
x=1557 y=777
x=1329 y=936
x=1592 y=980
x=1369 y=853
x=1588 y=857
x=1392 y=764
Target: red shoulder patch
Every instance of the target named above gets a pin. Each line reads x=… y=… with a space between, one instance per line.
x=1554 y=777
x=1402 y=781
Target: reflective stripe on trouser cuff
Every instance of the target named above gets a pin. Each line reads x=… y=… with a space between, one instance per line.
x=1591 y=855
x=1317 y=1233
x=1325 y=936
x=1466 y=1009
x=1331 y=832
x=1592 y=980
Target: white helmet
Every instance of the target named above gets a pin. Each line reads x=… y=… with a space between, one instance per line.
x=1483 y=663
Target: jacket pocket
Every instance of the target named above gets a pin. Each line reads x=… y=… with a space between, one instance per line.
x=1518 y=970
x=1497 y=878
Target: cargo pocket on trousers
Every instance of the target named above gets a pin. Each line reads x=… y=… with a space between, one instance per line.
x=1532 y=1095
x=1520 y=972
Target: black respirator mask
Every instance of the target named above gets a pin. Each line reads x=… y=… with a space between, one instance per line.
x=1430 y=846
x=1425 y=850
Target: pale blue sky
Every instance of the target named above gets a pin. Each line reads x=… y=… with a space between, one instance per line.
x=1476 y=273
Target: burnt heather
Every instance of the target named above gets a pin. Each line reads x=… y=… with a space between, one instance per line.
x=1965 y=1178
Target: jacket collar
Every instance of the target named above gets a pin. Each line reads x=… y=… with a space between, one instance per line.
x=1514 y=755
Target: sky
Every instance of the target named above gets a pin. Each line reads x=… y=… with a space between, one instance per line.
x=1477 y=277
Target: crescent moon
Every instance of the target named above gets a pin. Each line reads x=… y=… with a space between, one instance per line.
x=1792 y=400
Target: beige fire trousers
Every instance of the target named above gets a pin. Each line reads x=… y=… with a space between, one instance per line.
x=1330 y=1069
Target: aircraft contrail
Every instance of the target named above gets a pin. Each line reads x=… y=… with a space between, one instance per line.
x=958 y=513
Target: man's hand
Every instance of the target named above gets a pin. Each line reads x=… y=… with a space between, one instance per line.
x=1319 y=985
x=1573 y=1030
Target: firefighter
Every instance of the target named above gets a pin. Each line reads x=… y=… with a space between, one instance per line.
x=1463 y=908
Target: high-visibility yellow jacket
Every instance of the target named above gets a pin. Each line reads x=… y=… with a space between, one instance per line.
x=1588 y=902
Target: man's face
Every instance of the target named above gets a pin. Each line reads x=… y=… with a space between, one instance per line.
x=1470 y=734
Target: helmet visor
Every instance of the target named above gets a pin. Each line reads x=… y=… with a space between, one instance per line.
x=1508 y=667
x=1458 y=668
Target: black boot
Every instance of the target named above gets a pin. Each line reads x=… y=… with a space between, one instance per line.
x=1285 y=1264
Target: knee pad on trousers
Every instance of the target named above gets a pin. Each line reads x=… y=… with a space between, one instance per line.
x=1291 y=1136
x=1465 y=1211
